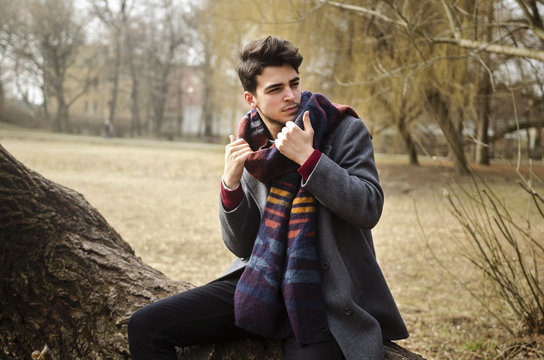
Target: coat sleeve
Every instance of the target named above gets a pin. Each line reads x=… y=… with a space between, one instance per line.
x=239 y=226
x=347 y=182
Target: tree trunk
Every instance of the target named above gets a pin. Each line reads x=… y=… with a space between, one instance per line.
x=452 y=133
x=269 y=350
x=484 y=121
x=207 y=116
x=482 y=146
x=115 y=83
x=45 y=103
x=207 y=101
x=2 y=97
x=408 y=140
x=160 y=100
x=68 y=280
x=62 y=119
x=179 y=103
x=135 y=126
x=486 y=91
x=457 y=148
x=535 y=144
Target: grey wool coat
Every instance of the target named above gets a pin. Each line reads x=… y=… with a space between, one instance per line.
x=361 y=312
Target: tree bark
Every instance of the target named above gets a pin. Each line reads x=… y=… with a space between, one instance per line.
x=2 y=97
x=452 y=133
x=482 y=146
x=115 y=81
x=135 y=124
x=179 y=110
x=535 y=147
x=161 y=94
x=61 y=117
x=408 y=140
x=207 y=94
x=269 y=350
x=68 y=280
x=484 y=106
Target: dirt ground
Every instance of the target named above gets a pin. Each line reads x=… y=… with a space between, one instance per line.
x=163 y=200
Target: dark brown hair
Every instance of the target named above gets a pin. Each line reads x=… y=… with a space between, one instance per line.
x=258 y=54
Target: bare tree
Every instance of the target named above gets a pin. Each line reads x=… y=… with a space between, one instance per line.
x=209 y=60
x=179 y=93
x=166 y=34
x=50 y=40
x=116 y=20
x=133 y=36
x=7 y=34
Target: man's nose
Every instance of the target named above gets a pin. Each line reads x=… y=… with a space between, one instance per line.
x=289 y=95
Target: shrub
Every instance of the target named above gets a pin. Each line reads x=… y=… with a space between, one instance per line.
x=508 y=247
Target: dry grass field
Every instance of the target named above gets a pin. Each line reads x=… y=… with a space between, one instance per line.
x=163 y=199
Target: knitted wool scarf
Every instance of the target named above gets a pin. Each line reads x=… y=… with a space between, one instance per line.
x=279 y=292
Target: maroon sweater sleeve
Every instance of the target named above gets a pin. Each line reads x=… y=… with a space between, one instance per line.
x=306 y=169
x=231 y=198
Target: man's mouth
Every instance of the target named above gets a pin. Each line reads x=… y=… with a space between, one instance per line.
x=291 y=109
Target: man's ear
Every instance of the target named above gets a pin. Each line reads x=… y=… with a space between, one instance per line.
x=250 y=99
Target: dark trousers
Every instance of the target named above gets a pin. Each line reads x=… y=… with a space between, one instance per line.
x=203 y=315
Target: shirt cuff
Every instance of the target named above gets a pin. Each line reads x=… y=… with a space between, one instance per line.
x=231 y=198
x=309 y=165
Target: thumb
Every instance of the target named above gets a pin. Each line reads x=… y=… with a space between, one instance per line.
x=306 y=121
x=232 y=138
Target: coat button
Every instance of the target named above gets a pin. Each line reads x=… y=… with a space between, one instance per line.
x=348 y=311
x=325 y=266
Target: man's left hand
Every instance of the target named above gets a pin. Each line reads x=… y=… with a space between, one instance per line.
x=295 y=143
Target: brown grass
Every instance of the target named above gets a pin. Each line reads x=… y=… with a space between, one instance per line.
x=163 y=200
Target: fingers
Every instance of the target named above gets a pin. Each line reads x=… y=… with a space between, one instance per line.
x=236 y=160
x=234 y=141
x=235 y=144
x=236 y=154
x=295 y=143
x=289 y=125
x=237 y=151
x=306 y=121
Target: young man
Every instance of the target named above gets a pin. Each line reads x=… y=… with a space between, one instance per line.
x=299 y=196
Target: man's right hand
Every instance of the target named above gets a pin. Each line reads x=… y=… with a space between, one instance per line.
x=236 y=154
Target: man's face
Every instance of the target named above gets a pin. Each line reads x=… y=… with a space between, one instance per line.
x=277 y=96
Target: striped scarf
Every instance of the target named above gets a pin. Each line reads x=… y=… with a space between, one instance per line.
x=279 y=292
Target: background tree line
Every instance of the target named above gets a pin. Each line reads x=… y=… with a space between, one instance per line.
x=449 y=76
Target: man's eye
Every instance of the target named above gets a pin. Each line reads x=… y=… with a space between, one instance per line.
x=294 y=85
x=273 y=90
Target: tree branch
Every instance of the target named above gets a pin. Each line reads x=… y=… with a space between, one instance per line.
x=451 y=18
x=457 y=40
x=493 y=48
x=514 y=127
x=535 y=23
x=364 y=10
